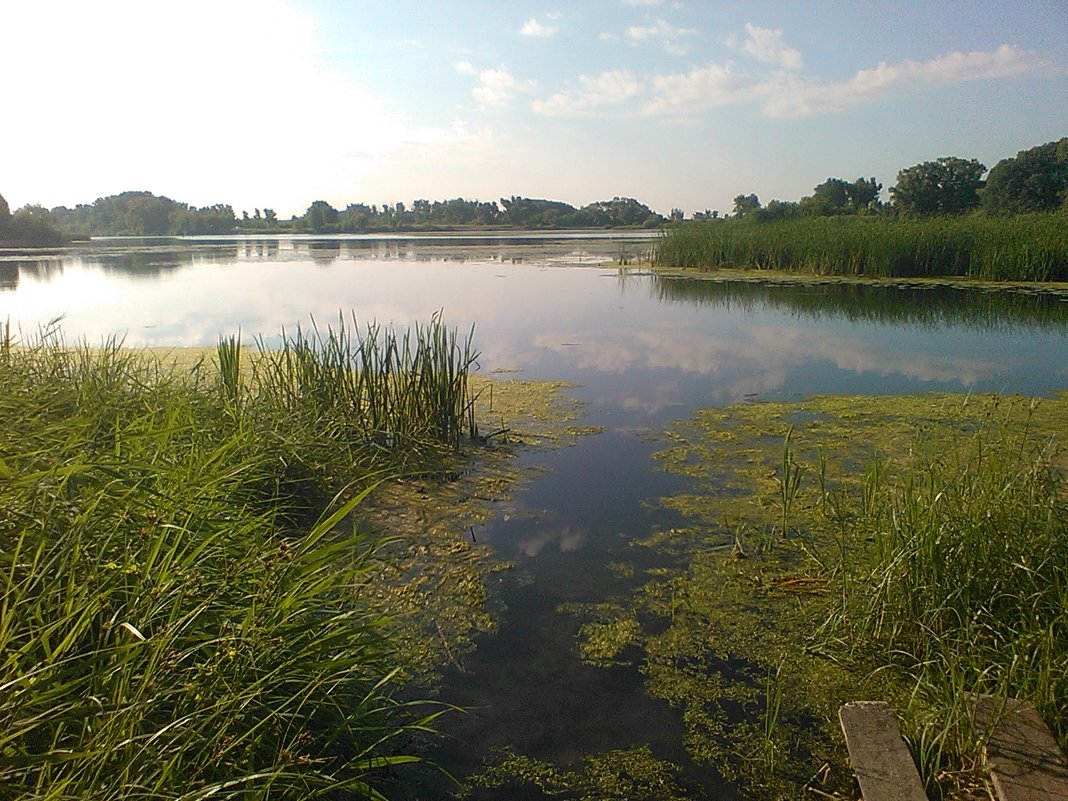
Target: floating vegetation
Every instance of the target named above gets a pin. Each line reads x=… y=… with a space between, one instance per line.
x=904 y=548
x=627 y=775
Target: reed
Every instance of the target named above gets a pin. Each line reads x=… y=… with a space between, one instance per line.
x=1028 y=247
x=966 y=585
x=175 y=619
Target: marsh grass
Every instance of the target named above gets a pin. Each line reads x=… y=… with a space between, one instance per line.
x=967 y=589
x=176 y=618
x=1028 y=247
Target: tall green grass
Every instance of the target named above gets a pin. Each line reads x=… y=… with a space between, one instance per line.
x=1028 y=247
x=965 y=585
x=175 y=619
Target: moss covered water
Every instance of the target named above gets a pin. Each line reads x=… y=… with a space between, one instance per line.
x=766 y=625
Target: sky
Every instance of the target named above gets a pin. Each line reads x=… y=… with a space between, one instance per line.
x=680 y=104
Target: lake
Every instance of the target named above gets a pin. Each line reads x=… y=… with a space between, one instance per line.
x=640 y=351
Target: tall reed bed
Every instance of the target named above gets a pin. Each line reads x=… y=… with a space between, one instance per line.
x=175 y=622
x=1030 y=247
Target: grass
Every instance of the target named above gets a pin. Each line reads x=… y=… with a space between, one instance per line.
x=177 y=617
x=1028 y=247
x=967 y=582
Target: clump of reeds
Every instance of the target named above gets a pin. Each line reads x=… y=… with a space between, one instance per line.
x=1028 y=247
x=172 y=622
x=966 y=589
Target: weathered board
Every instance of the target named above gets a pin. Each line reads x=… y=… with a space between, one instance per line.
x=879 y=756
x=1024 y=760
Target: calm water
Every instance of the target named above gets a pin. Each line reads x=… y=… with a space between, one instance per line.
x=641 y=351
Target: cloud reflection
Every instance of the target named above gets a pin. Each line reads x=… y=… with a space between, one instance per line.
x=765 y=353
x=566 y=540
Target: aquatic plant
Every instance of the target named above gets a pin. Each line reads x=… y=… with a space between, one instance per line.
x=1026 y=247
x=177 y=619
x=924 y=562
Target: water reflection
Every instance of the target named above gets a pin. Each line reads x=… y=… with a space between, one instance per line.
x=927 y=305
x=636 y=343
x=9 y=275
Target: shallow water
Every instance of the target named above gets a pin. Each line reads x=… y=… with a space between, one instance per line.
x=640 y=350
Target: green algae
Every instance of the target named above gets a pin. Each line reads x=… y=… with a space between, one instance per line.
x=626 y=775
x=747 y=638
x=435 y=577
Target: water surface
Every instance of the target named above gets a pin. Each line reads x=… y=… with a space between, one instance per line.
x=640 y=350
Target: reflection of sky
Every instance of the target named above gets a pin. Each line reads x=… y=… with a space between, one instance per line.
x=636 y=358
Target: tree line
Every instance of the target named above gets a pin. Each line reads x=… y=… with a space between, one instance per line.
x=146 y=214
x=1034 y=180
x=518 y=212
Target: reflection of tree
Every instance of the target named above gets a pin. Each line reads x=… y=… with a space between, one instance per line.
x=929 y=306
x=9 y=275
x=324 y=252
x=43 y=270
x=152 y=263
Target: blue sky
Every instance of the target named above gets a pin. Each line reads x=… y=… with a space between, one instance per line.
x=267 y=103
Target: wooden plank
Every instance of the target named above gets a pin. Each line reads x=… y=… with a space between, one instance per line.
x=881 y=761
x=1024 y=760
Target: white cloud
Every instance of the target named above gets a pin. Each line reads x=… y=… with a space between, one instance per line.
x=641 y=2
x=498 y=87
x=663 y=31
x=534 y=28
x=466 y=68
x=767 y=46
x=790 y=96
x=698 y=89
x=613 y=87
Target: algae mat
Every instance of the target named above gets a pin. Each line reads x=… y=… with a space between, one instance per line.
x=742 y=636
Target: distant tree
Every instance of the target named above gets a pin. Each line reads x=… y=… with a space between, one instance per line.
x=1035 y=180
x=615 y=213
x=838 y=196
x=320 y=216
x=5 y=216
x=828 y=199
x=744 y=204
x=864 y=194
x=677 y=215
x=775 y=210
x=270 y=216
x=537 y=213
x=949 y=185
x=33 y=226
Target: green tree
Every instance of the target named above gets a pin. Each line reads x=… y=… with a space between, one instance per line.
x=776 y=210
x=1035 y=180
x=838 y=196
x=864 y=194
x=320 y=216
x=948 y=185
x=5 y=216
x=33 y=226
x=745 y=204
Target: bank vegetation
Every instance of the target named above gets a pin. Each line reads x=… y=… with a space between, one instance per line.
x=185 y=609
